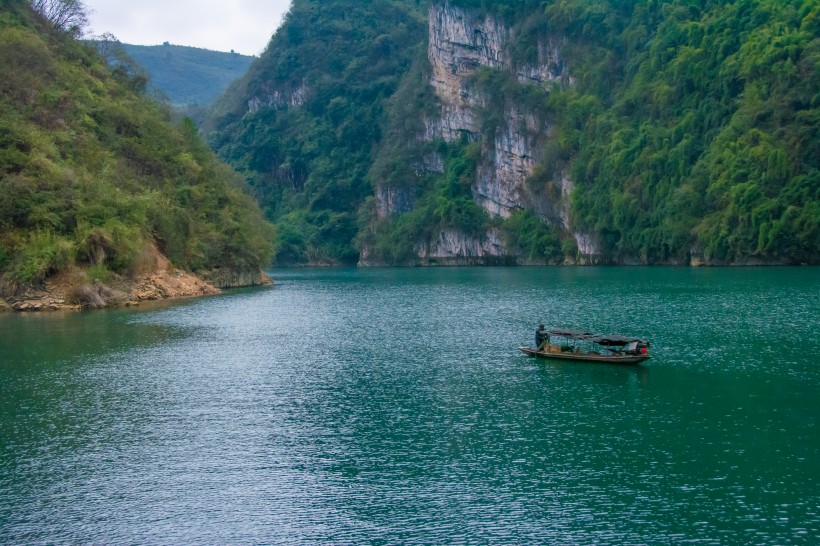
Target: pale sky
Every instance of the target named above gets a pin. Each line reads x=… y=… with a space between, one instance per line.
x=245 y=26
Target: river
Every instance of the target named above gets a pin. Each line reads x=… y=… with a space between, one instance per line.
x=391 y=406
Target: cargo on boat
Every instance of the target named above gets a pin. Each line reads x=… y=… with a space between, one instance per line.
x=583 y=346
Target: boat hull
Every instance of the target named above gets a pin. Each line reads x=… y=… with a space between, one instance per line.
x=576 y=357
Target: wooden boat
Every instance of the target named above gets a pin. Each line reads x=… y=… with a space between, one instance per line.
x=582 y=346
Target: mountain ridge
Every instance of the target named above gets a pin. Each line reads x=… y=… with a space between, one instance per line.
x=188 y=75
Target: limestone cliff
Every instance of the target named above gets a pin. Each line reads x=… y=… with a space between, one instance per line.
x=462 y=42
x=452 y=247
x=392 y=200
x=278 y=97
x=231 y=278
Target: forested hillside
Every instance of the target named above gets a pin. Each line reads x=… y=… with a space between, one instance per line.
x=693 y=126
x=94 y=178
x=189 y=75
x=317 y=98
x=470 y=131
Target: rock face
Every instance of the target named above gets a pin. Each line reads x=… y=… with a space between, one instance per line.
x=278 y=99
x=453 y=247
x=589 y=252
x=461 y=42
x=392 y=200
x=229 y=278
x=499 y=187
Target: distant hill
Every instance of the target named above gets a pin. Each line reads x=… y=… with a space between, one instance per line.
x=189 y=75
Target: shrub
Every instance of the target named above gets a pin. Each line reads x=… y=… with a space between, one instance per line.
x=43 y=253
x=538 y=241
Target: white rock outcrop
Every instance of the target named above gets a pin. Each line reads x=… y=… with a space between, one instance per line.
x=499 y=187
x=279 y=99
x=461 y=42
x=392 y=200
x=452 y=247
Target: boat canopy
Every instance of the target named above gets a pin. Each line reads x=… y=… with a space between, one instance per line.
x=618 y=341
x=605 y=340
x=571 y=334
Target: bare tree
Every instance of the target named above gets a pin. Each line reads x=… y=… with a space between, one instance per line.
x=109 y=47
x=66 y=15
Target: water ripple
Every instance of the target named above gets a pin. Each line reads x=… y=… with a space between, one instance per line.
x=390 y=406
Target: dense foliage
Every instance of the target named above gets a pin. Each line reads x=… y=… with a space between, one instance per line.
x=93 y=174
x=441 y=202
x=338 y=62
x=693 y=127
x=690 y=130
x=189 y=75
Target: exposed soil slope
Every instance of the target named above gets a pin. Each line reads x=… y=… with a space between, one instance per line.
x=74 y=290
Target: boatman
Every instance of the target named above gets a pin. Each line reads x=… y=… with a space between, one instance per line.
x=542 y=338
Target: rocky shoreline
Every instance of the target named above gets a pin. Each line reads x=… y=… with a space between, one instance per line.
x=72 y=290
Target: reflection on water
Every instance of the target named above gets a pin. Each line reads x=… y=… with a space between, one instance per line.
x=392 y=406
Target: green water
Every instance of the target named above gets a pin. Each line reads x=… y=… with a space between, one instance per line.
x=391 y=406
